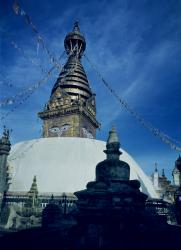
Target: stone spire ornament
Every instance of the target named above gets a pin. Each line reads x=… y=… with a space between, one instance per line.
x=176 y=173
x=113 y=145
x=112 y=180
x=112 y=196
x=34 y=188
x=178 y=163
x=112 y=169
x=156 y=167
x=177 y=182
x=113 y=137
x=5 y=144
x=32 y=209
x=33 y=194
x=5 y=147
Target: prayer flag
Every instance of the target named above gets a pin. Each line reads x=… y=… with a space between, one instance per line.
x=37 y=49
x=22 y=12
x=16 y=8
x=34 y=29
x=27 y=18
x=10 y=102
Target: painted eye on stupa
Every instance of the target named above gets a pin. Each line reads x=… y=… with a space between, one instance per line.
x=54 y=129
x=87 y=133
x=60 y=130
x=65 y=127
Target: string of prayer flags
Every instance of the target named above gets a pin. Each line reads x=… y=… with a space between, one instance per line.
x=18 y=10
x=20 y=50
x=27 y=93
x=156 y=132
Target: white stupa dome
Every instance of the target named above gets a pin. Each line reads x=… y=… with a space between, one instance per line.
x=64 y=164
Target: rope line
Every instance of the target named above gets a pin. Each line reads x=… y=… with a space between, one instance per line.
x=40 y=41
x=20 y=50
x=12 y=99
x=30 y=92
x=155 y=131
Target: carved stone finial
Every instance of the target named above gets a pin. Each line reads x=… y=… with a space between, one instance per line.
x=34 y=188
x=5 y=144
x=156 y=167
x=33 y=195
x=163 y=172
x=113 y=137
x=178 y=163
x=113 y=145
x=112 y=169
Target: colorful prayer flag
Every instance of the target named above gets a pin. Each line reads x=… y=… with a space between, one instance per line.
x=34 y=29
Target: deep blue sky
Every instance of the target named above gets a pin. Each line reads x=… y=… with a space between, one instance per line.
x=135 y=44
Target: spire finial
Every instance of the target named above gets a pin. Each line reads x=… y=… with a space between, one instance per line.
x=163 y=172
x=34 y=188
x=52 y=200
x=34 y=179
x=5 y=144
x=112 y=136
x=33 y=194
x=5 y=132
x=76 y=26
x=112 y=145
x=74 y=42
x=178 y=163
x=156 y=167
